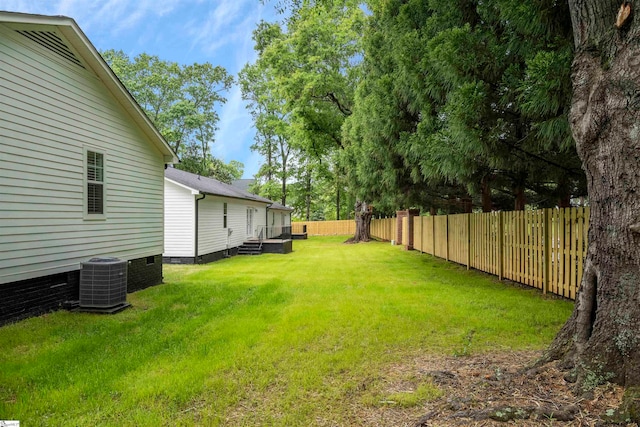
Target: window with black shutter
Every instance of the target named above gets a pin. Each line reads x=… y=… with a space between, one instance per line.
x=95 y=183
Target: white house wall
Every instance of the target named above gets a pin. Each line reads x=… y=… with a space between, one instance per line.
x=282 y=218
x=50 y=111
x=179 y=221
x=272 y=218
x=279 y=218
x=212 y=235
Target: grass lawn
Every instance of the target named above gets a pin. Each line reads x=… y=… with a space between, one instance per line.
x=273 y=340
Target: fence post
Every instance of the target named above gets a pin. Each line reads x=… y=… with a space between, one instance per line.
x=546 y=256
x=421 y=234
x=446 y=233
x=468 y=240
x=433 y=234
x=500 y=237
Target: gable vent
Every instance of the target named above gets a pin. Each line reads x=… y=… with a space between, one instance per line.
x=50 y=40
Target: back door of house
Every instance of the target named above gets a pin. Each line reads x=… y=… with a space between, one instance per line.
x=250 y=222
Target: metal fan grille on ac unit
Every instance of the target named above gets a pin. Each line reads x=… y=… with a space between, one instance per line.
x=103 y=283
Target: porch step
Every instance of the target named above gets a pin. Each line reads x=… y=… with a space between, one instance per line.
x=250 y=248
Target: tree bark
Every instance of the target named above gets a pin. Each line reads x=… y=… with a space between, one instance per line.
x=283 y=187
x=467 y=204
x=338 y=202
x=520 y=198
x=308 y=194
x=284 y=156
x=564 y=194
x=363 y=222
x=487 y=204
x=601 y=339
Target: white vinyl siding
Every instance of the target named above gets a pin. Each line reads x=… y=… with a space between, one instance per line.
x=179 y=221
x=282 y=218
x=278 y=219
x=50 y=109
x=212 y=236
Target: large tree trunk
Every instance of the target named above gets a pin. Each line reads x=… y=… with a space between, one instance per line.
x=363 y=223
x=308 y=194
x=520 y=198
x=601 y=340
x=467 y=204
x=487 y=204
x=283 y=198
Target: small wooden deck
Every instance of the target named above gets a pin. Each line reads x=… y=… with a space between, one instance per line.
x=274 y=246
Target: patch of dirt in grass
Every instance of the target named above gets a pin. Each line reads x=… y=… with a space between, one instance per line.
x=486 y=390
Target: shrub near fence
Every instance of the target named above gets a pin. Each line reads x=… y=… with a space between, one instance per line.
x=544 y=248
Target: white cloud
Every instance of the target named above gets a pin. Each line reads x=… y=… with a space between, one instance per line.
x=117 y=16
x=235 y=134
x=99 y=15
x=252 y=164
x=227 y=30
x=231 y=22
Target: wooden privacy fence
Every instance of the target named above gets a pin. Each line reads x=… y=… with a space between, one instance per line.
x=384 y=229
x=544 y=249
x=325 y=228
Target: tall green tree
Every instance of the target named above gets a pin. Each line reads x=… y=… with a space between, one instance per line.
x=267 y=106
x=448 y=107
x=301 y=90
x=181 y=100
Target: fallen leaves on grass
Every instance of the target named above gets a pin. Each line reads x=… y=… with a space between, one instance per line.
x=490 y=390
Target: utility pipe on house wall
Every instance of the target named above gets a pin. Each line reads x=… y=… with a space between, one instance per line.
x=195 y=259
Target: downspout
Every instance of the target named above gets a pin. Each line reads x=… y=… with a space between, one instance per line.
x=195 y=259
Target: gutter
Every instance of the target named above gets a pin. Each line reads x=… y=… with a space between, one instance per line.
x=195 y=258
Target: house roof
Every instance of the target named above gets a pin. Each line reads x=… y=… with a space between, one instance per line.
x=243 y=184
x=216 y=188
x=279 y=207
x=77 y=47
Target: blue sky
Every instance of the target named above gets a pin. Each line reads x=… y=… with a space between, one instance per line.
x=184 y=31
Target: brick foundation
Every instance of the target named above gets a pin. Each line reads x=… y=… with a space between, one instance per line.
x=33 y=297
x=202 y=259
x=144 y=272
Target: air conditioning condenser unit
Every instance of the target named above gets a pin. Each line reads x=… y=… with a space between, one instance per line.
x=103 y=284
